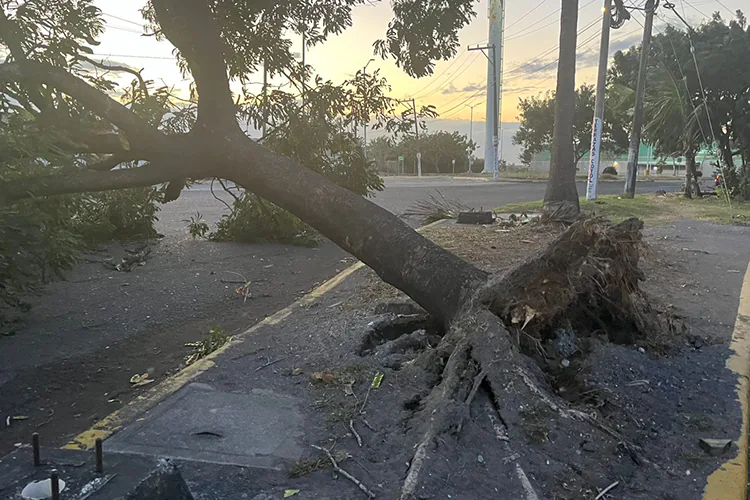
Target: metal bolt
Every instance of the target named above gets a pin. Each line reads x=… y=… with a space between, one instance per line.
x=35 y=449
x=55 y=484
x=99 y=457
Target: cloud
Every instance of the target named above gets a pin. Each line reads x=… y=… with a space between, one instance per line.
x=472 y=87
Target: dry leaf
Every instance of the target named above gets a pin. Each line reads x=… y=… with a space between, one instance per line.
x=349 y=388
x=325 y=377
x=290 y=493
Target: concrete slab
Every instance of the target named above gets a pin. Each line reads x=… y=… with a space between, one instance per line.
x=261 y=429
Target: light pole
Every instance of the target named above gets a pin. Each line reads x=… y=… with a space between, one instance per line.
x=364 y=133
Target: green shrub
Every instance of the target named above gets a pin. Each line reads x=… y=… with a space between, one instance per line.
x=255 y=220
x=127 y=214
x=197 y=227
x=34 y=248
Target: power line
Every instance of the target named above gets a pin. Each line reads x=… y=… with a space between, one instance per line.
x=122 y=19
x=525 y=15
x=449 y=81
x=126 y=56
x=436 y=77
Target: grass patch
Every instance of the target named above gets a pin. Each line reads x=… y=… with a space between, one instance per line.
x=653 y=209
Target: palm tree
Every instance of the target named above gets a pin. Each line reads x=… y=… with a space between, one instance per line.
x=673 y=123
x=561 y=191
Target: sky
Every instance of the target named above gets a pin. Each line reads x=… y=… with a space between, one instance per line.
x=531 y=39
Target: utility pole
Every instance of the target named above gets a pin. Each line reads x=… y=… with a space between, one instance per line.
x=471 y=135
x=496 y=15
x=364 y=133
x=265 y=98
x=490 y=158
x=635 y=133
x=416 y=132
x=601 y=84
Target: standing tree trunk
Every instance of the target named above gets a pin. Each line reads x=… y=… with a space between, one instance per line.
x=690 y=175
x=561 y=188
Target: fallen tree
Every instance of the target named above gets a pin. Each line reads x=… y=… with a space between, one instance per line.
x=588 y=272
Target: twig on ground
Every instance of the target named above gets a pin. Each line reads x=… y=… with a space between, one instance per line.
x=356 y=434
x=270 y=363
x=607 y=490
x=244 y=355
x=341 y=471
x=364 y=403
x=367 y=424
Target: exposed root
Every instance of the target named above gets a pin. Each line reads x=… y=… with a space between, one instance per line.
x=586 y=281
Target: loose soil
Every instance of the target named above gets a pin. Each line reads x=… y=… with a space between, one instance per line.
x=651 y=405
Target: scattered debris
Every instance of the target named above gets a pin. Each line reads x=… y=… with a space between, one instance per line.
x=607 y=490
x=40 y=490
x=376 y=381
x=92 y=487
x=326 y=377
x=472 y=217
x=436 y=207
x=715 y=447
x=270 y=363
x=356 y=434
x=341 y=471
x=215 y=339
x=139 y=380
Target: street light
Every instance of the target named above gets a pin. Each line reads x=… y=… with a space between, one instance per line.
x=364 y=134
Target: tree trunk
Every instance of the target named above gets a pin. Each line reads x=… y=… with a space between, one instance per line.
x=561 y=187
x=690 y=175
x=435 y=278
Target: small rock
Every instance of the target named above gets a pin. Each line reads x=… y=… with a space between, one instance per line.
x=715 y=447
x=642 y=350
x=480 y=459
x=566 y=342
x=565 y=363
x=588 y=446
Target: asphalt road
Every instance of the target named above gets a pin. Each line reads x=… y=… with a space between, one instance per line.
x=401 y=193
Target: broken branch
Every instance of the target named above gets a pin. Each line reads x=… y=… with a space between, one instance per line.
x=86 y=181
x=94 y=99
x=341 y=471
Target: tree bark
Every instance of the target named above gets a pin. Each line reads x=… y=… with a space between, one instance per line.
x=561 y=187
x=436 y=279
x=690 y=176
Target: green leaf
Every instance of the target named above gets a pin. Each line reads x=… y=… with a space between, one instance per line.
x=290 y=493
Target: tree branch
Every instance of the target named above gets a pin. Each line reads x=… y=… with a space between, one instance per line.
x=191 y=27
x=87 y=181
x=109 y=163
x=115 y=67
x=97 y=101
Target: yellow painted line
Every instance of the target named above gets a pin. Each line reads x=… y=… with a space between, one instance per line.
x=144 y=402
x=729 y=482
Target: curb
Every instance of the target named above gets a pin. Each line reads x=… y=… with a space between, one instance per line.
x=129 y=413
x=729 y=481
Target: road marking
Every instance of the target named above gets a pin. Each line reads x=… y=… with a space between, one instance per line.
x=113 y=422
x=142 y=403
x=729 y=482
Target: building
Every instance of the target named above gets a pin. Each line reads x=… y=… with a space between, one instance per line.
x=705 y=162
